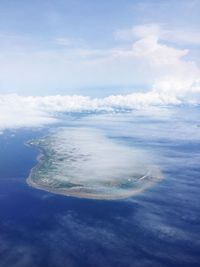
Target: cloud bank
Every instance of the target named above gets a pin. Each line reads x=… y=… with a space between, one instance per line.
x=22 y=111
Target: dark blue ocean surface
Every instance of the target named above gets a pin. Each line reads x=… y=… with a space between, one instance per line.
x=159 y=227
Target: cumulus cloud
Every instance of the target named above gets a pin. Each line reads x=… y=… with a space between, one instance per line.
x=173 y=74
x=176 y=75
x=178 y=35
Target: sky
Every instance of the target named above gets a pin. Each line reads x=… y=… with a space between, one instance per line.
x=59 y=56
x=98 y=48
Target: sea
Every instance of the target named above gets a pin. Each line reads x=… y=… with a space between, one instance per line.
x=159 y=227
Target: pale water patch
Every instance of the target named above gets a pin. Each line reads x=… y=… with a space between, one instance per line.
x=83 y=162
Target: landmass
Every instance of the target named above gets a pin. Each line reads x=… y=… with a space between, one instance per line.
x=84 y=163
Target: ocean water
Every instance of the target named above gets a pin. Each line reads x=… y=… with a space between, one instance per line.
x=159 y=227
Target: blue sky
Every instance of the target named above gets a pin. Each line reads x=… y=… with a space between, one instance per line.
x=85 y=47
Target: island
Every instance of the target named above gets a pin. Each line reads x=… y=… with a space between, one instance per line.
x=85 y=163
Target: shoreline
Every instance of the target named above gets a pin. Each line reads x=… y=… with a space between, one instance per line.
x=77 y=194
x=67 y=193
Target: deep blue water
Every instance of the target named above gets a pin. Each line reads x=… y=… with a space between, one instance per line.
x=160 y=227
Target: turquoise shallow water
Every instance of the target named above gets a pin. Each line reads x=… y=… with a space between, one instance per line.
x=159 y=227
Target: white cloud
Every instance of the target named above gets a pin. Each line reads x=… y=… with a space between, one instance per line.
x=20 y=111
x=16 y=112
x=95 y=160
x=155 y=53
x=138 y=31
x=172 y=73
x=177 y=35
